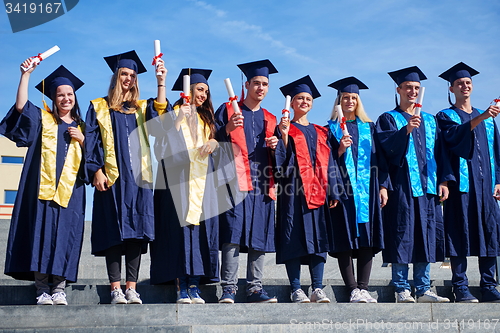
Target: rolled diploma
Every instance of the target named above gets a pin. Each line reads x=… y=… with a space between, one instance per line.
x=44 y=56
x=498 y=103
x=340 y=116
x=420 y=99
x=157 y=52
x=286 y=110
x=186 y=82
x=230 y=92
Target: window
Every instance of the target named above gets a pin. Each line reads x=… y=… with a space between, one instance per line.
x=10 y=196
x=13 y=159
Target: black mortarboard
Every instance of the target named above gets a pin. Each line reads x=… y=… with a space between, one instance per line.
x=258 y=68
x=458 y=71
x=196 y=75
x=128 y=60
x=61 y=76
x=348 y=85
x=304 y=84
x=407 y=74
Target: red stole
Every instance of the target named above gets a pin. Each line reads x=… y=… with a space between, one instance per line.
x=315 y=181
x=240 y=151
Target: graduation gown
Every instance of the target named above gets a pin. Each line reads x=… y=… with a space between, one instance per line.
x=347 y=233
x=301 y=231
x=249 y=221
x=472 y=220
x=189 y=249
x=413 y=226
x=43 y=237
x=125 y=211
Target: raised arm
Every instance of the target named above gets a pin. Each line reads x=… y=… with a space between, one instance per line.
x=22 y=90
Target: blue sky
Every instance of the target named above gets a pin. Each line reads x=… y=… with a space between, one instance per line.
x=326 y=39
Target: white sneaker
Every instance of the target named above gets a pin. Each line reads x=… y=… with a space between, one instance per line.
x=299 y=296
x=366 y=295
x=319 y=296
x=404 y=297
x=59 y=298
x=132 y=296
x=44 y=299
x=117 y=296
x=357 y=296
x=431 y=297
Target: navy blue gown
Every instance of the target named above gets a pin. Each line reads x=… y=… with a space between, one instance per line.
x=250 y=220
x=472 y=220
x=413 y=226
x=301 y=231
x=44 y=237
x=346 y=234
x=125 y=211
x=178 y=250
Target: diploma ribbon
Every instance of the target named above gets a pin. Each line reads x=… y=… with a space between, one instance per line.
x=284 y=110
x=496 y=100
x=234 y=98
x=416 y=105
x=156 y=58
x=342 y=123
x=186 y=97
x=39 y=56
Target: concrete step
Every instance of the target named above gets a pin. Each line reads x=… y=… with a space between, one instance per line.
x=89 y=292
x=252 y=318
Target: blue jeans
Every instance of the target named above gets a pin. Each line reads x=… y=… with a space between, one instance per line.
x=421 y=277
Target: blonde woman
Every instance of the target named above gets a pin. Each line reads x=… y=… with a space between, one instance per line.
x=122 y=216
x=357 y=221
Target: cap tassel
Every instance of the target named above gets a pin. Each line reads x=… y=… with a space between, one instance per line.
x=45 y=106
x=242 y=90
x=449 y=98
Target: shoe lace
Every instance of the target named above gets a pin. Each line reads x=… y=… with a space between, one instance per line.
x=59 y=295
x=229 y=290
x=320 y=292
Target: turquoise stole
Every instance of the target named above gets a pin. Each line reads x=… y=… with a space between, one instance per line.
x=359 y=175
x=464 y=169
x=411 y=155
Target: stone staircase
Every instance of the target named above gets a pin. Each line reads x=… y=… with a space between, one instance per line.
x=90 y=311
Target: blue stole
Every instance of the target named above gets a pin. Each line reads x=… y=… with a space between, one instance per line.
x=411 y=155
x=464 y=169
x=359 y=175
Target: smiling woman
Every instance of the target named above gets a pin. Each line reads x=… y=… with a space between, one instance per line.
x=54 y=202
x=122 y=215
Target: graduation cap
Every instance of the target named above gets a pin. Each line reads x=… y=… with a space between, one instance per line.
x=196 y=76
x=258 y=68
x=61 y=76
x=407 y=74
x=348 y=85
x=128 y=60
x=304 y=84
x=458 y=71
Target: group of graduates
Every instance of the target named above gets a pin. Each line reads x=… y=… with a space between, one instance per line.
x=237 y=180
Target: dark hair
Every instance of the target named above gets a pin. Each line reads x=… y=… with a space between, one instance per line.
x=206 y=112
x=75 y=111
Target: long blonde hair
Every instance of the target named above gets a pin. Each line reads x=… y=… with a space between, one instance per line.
x=115 y=94
x=359 y=112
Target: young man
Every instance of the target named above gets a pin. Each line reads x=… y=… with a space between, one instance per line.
x=471 y=214
x=413 y=225
x=248 y=226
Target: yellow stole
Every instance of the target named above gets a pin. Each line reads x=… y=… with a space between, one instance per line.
x=61 y=194
x=104 y=119
x=198 y=167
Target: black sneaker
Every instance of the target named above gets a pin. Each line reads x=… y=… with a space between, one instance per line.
x=260 y=296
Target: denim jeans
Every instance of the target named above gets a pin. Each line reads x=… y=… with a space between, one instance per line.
x=421 y=277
